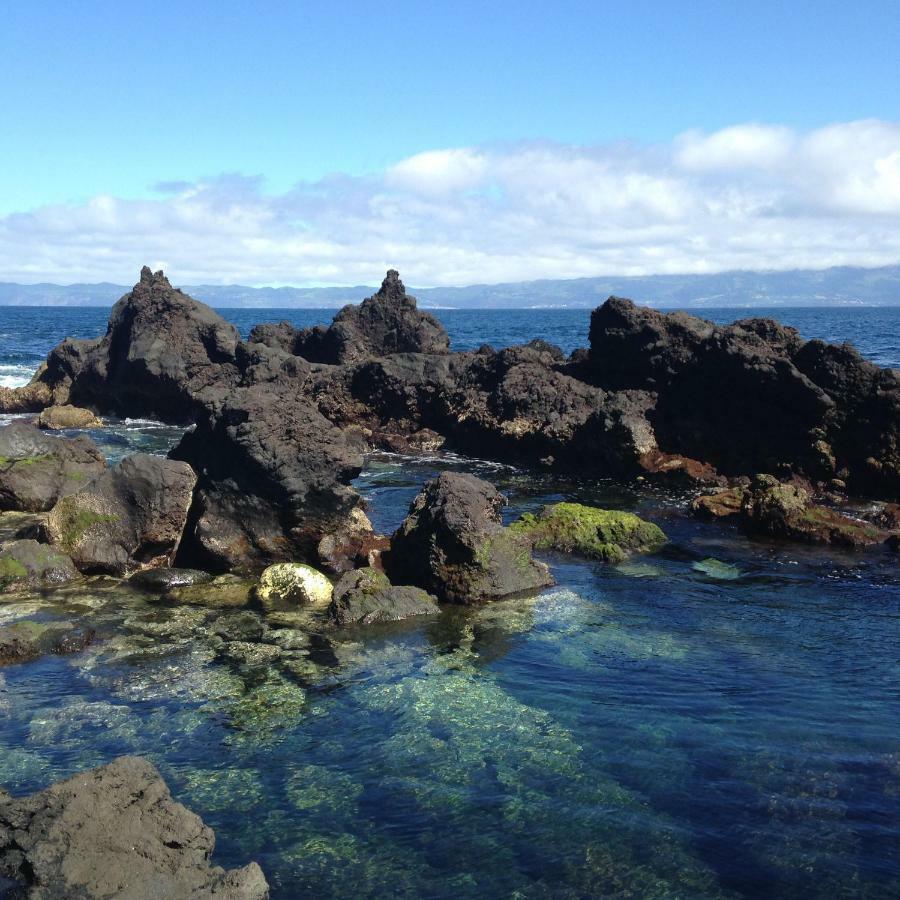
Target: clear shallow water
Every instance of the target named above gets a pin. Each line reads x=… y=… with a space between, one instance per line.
x=665 y=728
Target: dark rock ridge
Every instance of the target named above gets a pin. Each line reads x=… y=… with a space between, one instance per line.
x=452 y=544
x=385 y=323
x=37 y=469
x=113 y=832
x=282 y=420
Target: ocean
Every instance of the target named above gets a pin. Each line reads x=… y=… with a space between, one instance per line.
x=720 y=719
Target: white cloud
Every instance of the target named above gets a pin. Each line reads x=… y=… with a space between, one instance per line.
x=750 y=196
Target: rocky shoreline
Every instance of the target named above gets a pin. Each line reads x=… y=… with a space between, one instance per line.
x=252 y=518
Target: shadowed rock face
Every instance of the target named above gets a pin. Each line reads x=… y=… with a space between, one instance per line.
x=452 y=544
x=162 y=349
x=113 y=832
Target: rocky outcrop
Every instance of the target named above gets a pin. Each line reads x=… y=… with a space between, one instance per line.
x=786 y=510
x=55 y=418
x=274 y=476
x=752 y=396
x=366 y=596
x=453 y=545
x=29 y=564
x=161 y=352
x=114 y=832
x=387 y=322
x=129 y=518
x=607 y=534
x=37 y=469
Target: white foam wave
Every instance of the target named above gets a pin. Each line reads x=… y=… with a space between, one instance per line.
x=15 y=375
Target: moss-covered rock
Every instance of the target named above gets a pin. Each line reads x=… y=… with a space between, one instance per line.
x=604 y=534
x=28 y=639
x=223 y=590
x=366 y=595
x=292 y=583
x=27 y=563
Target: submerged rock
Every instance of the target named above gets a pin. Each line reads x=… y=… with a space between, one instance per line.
x=453 y=545
x=292 y=583
x=365 y=596
x=221 y=591
x=26 y=640
x=114 y=831
x=129 y=518
x=165 y=578
x=37 y=469
x=28 y=564
x=67 y=416
x=604 y=534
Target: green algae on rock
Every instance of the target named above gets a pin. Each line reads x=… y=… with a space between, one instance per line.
x=715 y=568
x=28 y=564
x=221 y=591
x=292 y=583
x=604 y=534
x=365 y=596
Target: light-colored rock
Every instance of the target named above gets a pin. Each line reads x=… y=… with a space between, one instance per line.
x=293 y=583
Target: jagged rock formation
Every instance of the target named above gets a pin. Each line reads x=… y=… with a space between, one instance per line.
x=385 y=323
x=129 y=518
x=161 y=351
x=453 y=546
x=113 y=832
x=37 y=469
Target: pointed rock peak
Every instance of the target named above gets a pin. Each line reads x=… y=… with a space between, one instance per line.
x=392 y=286
x=146 y=275
x=149 y=277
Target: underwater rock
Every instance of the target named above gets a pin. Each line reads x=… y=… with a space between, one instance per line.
x=37 y=469
x=250 y=654
x=292 y=583
x=715 y=568
x=28 y=564
x=129 y=518
x=453 y=545
x=162 y=352
x=165 y=578
x=604 y=534
x=67 y=416
x=26 y=640
x=114 y=831
x=786 y=510
x=221 y=591
x=366 y=595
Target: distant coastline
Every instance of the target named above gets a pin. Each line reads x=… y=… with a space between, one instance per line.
x=835 y=287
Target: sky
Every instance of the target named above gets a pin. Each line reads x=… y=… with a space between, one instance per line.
x=465 y=142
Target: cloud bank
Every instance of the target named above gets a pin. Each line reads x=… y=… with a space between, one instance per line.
x=751 y=196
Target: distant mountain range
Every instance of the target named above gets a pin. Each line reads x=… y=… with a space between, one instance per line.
x=801 y=287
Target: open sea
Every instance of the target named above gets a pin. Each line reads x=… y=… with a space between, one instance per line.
x=720 y=719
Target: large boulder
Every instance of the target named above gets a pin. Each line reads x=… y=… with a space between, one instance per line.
x=453 y=545
x=274 y=480
x=37 y=469
x=29 y=564
x=161 y=352
x=289 y=584
x=114 y=832
x=752 y=396
x=385 y=323
x=131 y=517
x=366 y=596
x=56 y=418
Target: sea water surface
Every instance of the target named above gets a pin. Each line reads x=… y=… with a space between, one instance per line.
x=720 y=719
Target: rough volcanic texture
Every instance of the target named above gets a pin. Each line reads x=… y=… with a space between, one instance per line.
x=752 y=396
x=114 y=832
x=274 y=476
x=130 y=518
x=453 y=545
x=37 y=469
x=385 y=323
x=162 y=349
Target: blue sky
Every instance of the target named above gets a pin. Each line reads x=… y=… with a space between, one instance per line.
x=111 y=100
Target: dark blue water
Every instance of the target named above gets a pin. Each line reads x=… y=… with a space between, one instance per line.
x=664 y=728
